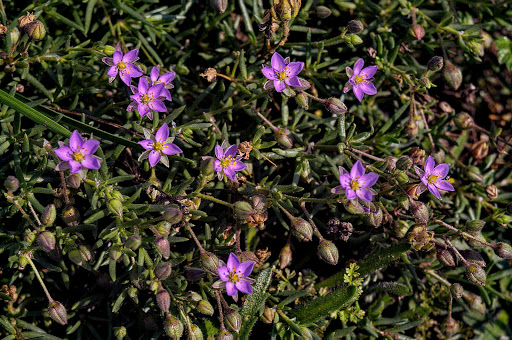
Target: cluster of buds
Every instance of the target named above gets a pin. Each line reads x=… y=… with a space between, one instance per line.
x=254 y=212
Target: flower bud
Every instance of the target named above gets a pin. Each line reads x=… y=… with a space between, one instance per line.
x=219 y=5
x=285 y=10
x=11 y=183
x=233 y=320
x=35 y=30
x=476 y=275
x=354 y=207
x=163 y=300
x=85 y=252
x=207 y=167
x=304 y=85
x=46 y=241
x=453 y=75
x=374 y=218
x=173 y=215
x=116 y=207
x=474 y=174
x=402 y=177
x=476 y=244
x=445 y=257
x=58 y=312
x=328 y=252
x=284 y=138
x=268 y=315
x=225 y=335
x=74 y=181
x=133 y=242
x=248 y=256
x=163 y=270
x=120 y=332
x=404 y=163
x=302 y=100
x=109 y=49
x=503 y=250
x=210 y=262
x=391 y=163
x=173 y=327
x=285 y=256
x=335 y=106
x=193 y=274
x=355 y=39
x=205 y=307
x=417 y=31
x=475 y=302
x=242 y=210
x=420 y=212
x=464 y=120
x=49 y=215
x=451 y=326
x=163 y=246
x=355 y=26
x=302 y=230
x=400 y=228
x=323 y=12
x=30 y=236
x=501 y=217
x=456 y=290
x=195 y=332
x=115 y=252
x=412 y=128
x=435 y=64
x=491 y=191
x=75 y=256
x=473 y=257
x=70 y=215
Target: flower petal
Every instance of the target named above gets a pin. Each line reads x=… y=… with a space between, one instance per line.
x=293 y=81
x=108 y=61
x=155 y=72
x=90 y=146
x=154 y=158
x=231 y=289
x=74 y=166
x=358 y=92
x=231 y=151
x=338 y=190
x=62 y=166
x=295 y=68
x=244 y=286
x=358 y=66
x=233 y=262
x=91 y=162
x=147 y=144
x=245 y=268
x=223 y=273
x=429 y=165
x=368 y=88
x=345 y=180
x=112 y=71
x=231 y=174
x=342 y=170
x=364 y=194
x=219 y=153
x=369 y=71
x=125 y=77
x=134 y=71
x=238 y=166
x=217 y=166
x=269 y=73
x=445 y=185
x=357 y=170
x=143 y=86
x=418 y=171
x=279 y=85
x=162 y=134
x=143 y=109
x=157 y=105
x=171 y=149
x=75 y=141
x=131 y=56
x=64 y=153
x=434 y=191
x=351 y=194
x=442 y=169
x=167 y=77
x=155 y=90
x=166 y=94
x=117 y=57
x=368 y=180
x=277 y=62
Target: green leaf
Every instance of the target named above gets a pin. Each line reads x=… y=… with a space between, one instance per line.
x=393 y=287
x=255 y=302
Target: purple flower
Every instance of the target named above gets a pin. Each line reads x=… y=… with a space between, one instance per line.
x=148 y=99
x=165 y=79
x=123 y=65
x=235 y=275
x=157 y=145
x=360 y=79
x=227 y=162
x=433 y=177
x=78 y=154
x=356 y=183
x=282 y=73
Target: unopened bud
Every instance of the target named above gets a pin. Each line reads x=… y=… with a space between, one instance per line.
x=195 y=332
x=30 y=236
x=445 y=257
x=412 y=128
x=354 y=207
x=451 y=326
x=85 y=252
x=302 y=230
x=391 y=163
x=474 y=174
x=133 y=242
x=355 y=26
x=242 y=210
x=328 y=252
x=464 y=120
x=115 y=252
x=420 y=212
x=474 y=243
x=46 y=241
x=355 y=39
x=475 y=302
x=284 y=138
x=476 y=275
x=219 y=5
x=70 y=215
x=163 y=300
x=503 y=250
x=302 y=100
x=402 y=177
x=225 y=335
x=374 y=218
x=35 y=30
x=323 y=12
x=335 y=106
x=173 y=215
x=248 y=256
x=417 y=31
x=163 y=270
x=491 y=191
x=501 y=217
x=120 y=332
x=49 y=215
x=75 y=256
x=285 y=256
x=58 y=312
x=304 y=85
x=456 y=290
x=163 y=246
x=210 y=263
x=109 y=49
x=205 y=307
x=404 y=163
x=233 y=320
x=435 y=64
x=453 y=75
x=173 y=327
x=268 y=315
x=74 y=181
x=116 y=207
x=11 y=183
x=207 y=167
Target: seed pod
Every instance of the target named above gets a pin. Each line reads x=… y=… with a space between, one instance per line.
x=464 y=121
x=205 y=307
x=302 y=230
x=453 y=75
x=420 y=212
x=242 y=210
x=85 y=252
x=75 y=256
x=354 y=26
x=3 y=29
x=225 y=335
x=259 y=203
x=456 y=290
x=74 y=181
x=163 y=300
x=35 y=30
x=163 y=246
x=49 y=215
x=173 y=327
x=446 y=257
x=328 y=252
x=284 y=138
x=210 y=263
x=476 y=244
x=268 y=315
x=503 y=250
x=195 y=332
x=163 y=270
x=402 y=177
x=475 y=302
x=480 y=149
x=335 y=106
x=30 y=236
x=323 y=12
x=207 y=168
x=233 y=320
x=285 y=256
x=451 y=326
x=46 y=241
x=412 y=128
x=417 y=156
x=302 y=100
x=11 y=183
x=417 y=31
x=173 y=215
x=109 y=50
x=435 y=64
x=71 y=216
x=476 y=275
x=374 y=218
x=404 y=163
x=219 y=5
x=25 y=19
x=58 y=312
x=285 y=10
x=133 y=242
x=354 y=39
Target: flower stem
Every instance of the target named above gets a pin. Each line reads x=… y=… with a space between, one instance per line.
x=222 y=327
x=308 y=216
x=240 y=104
x=213 y=199
x=36 y=272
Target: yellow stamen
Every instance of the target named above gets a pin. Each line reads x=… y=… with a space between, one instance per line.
x=234 y=277
x=227 y=162
x=354 y=184
x=121 y=65
x=432 y=179
x=146 y=99
x=78 y=156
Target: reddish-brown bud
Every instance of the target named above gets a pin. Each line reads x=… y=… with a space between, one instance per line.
x=46 y=241
x=302 y=230
x=453 y=75
x=328 y=252
x=163 y=299
x=476 y=275
x=417 y=31
x=173 y=215
x=58 y=313
x=163 y=246
x=163 y=270
x=503 y=250
x=285 y=256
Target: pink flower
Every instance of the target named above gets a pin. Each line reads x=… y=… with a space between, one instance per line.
x=148 y=98
x=165 y=79
x=227 y=161
x=78 y=154
x=356 y=183
x=235 y=275
x=360 y=79
x=157 y=145
x=123 y=64
x=282 y=73
x=433 y=177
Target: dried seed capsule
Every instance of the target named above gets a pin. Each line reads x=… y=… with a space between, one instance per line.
x=476 y=275
x=491 y=191
x=473 y=257
x=58 y=312
x=35 y=30
x=328 y=252
x=173 y=327
x=446 y=257
x=25 y=19
x=355 y=26
x=404 y=163
x=205 y=307
x=163 y=270
x=420 y=212
x=453 y=75
x=46 y=241
x=233 y=320
x=49 y=215
x=302 y=230
x=435 y=64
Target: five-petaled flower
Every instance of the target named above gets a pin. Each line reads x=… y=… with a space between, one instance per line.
x=78 y=154
x=282 y=73
x=158 y=147
x=148 y=99
x=123 y=64
x=356 y=183
x=433 y=177
x=360 y=79
x=165 y=79
x=235 y=275
x=227 y=161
